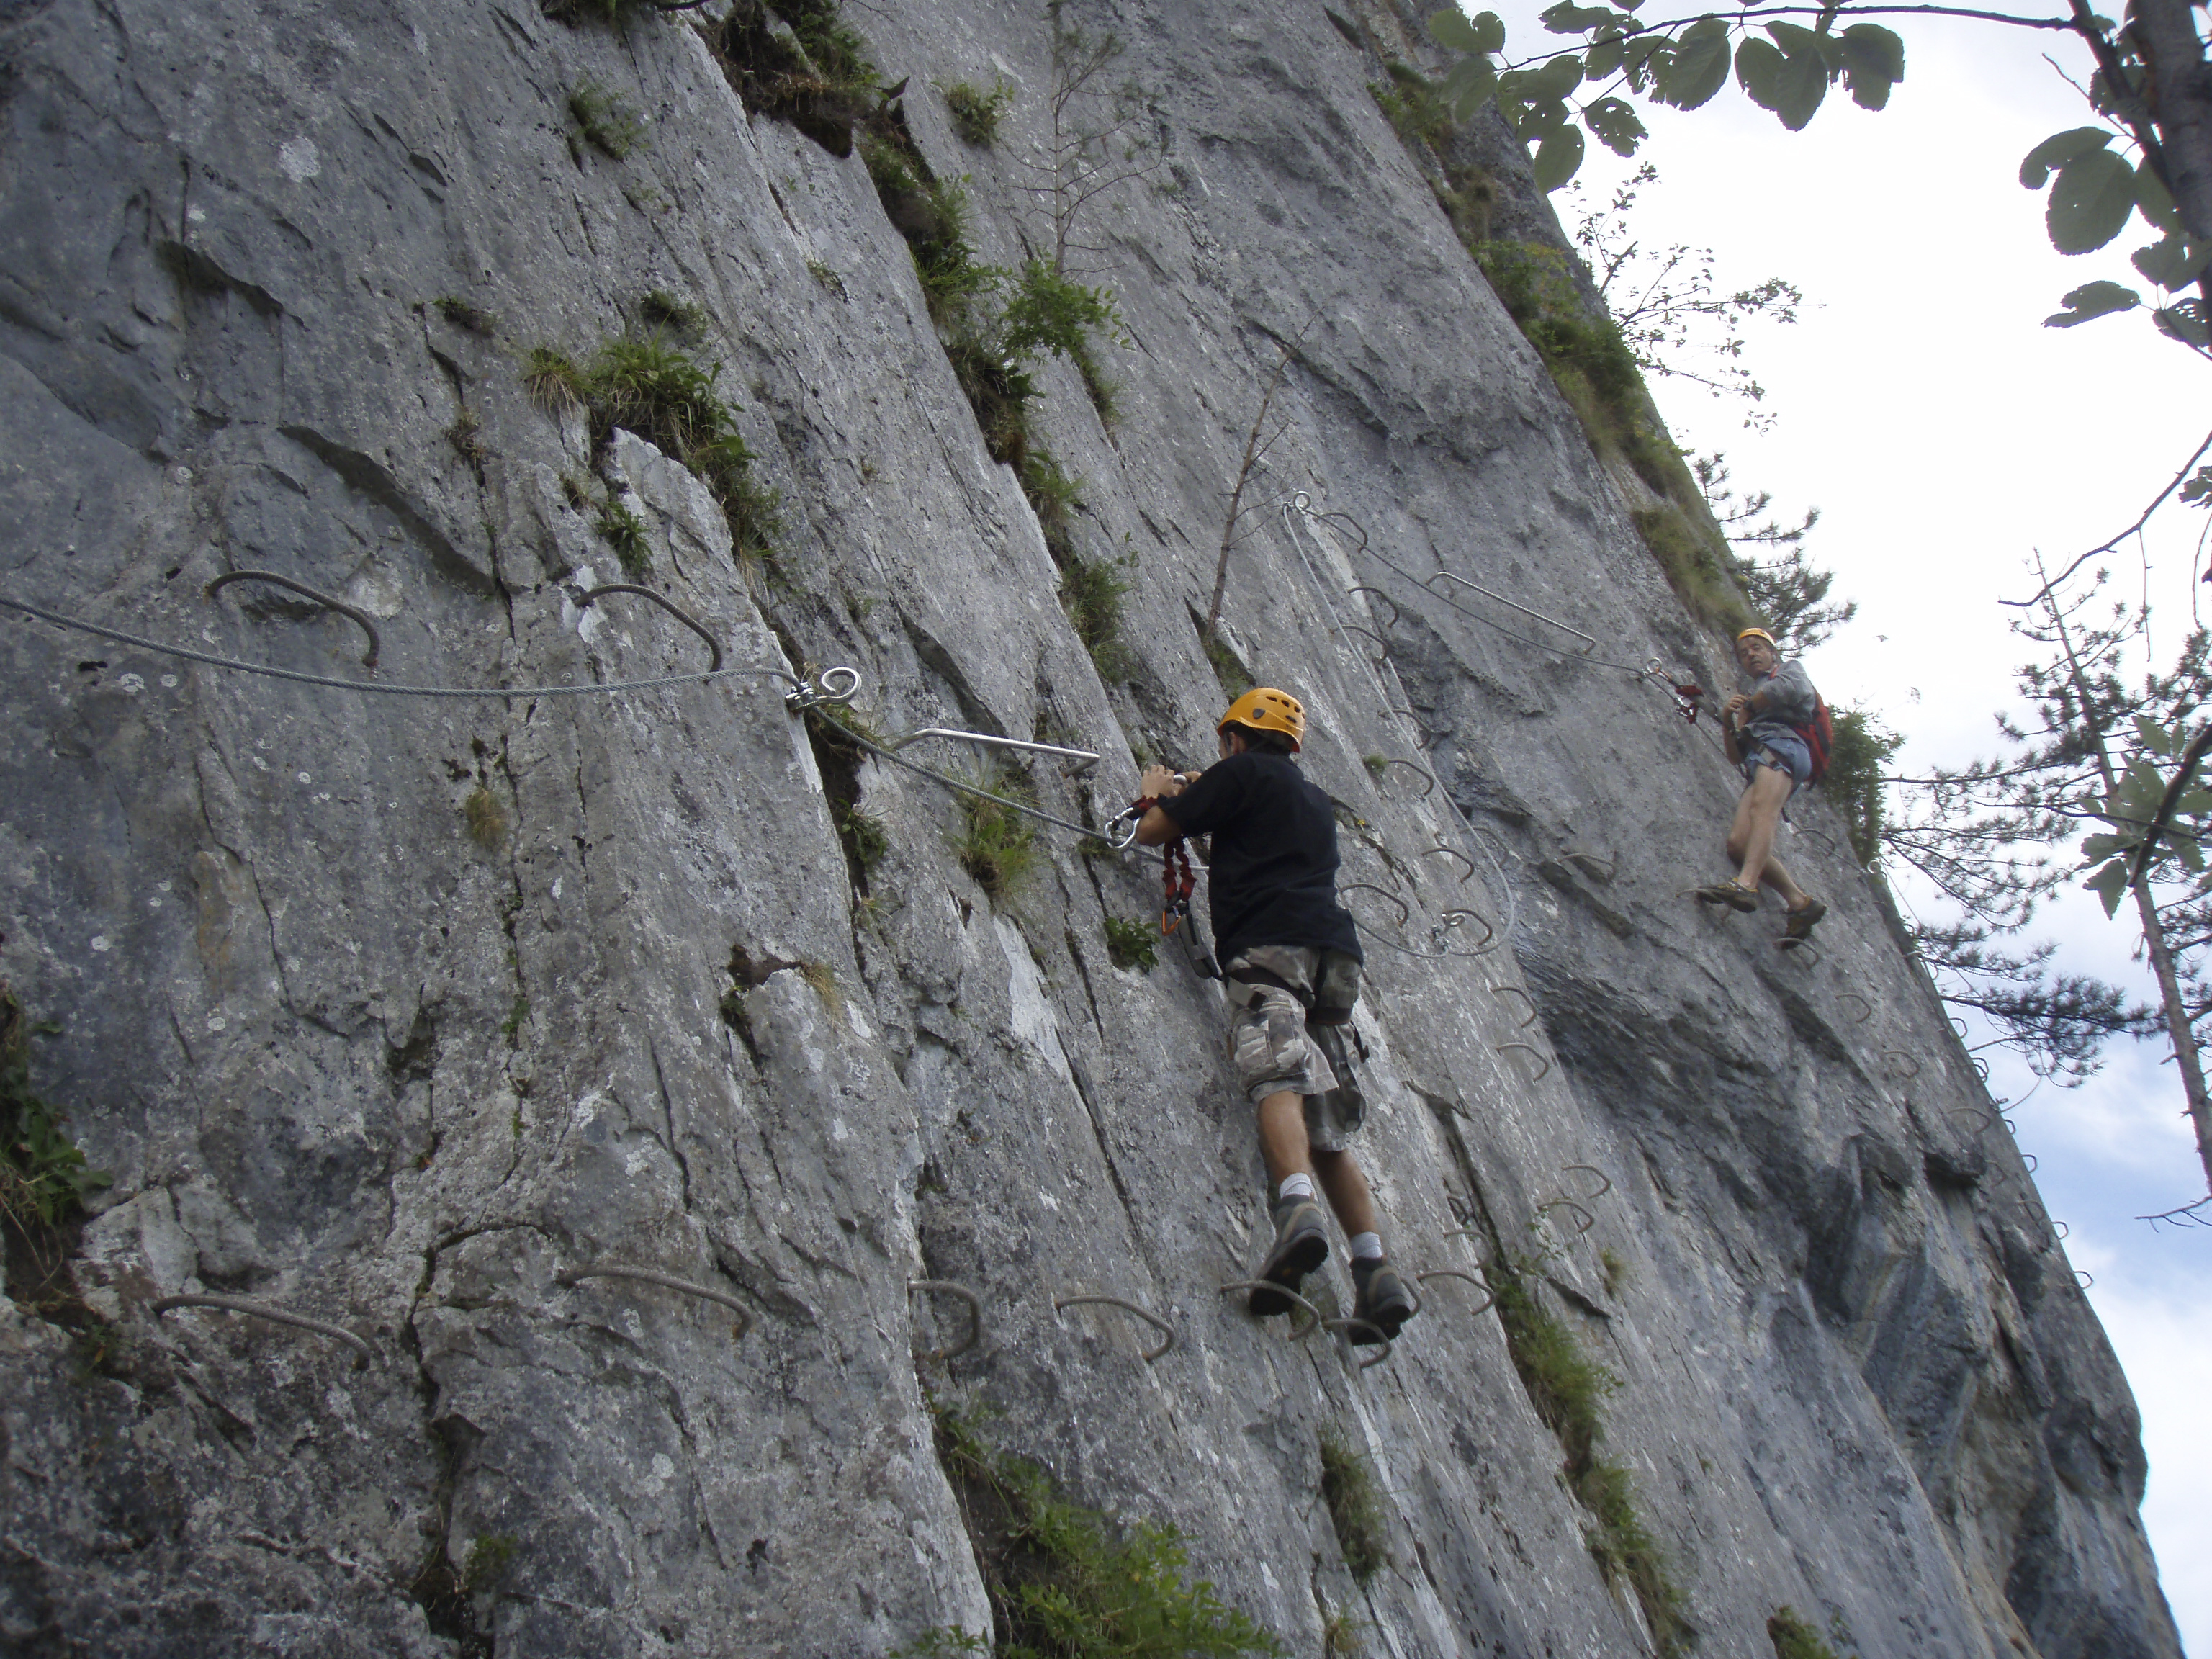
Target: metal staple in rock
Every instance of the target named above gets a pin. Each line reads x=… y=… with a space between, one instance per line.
x=1149 y=1318
x=947 y=1287
x=1298 y=1331
x=327 y=601
x=1339 y=1326
x=1516 y=991
x=1489 y=1296
x=1541 y=1059
x=261 y=1310
x=1589 y=1220
x=573 y=1276
x=713 y=645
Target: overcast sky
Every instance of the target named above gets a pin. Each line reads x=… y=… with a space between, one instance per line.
x=1946 y=436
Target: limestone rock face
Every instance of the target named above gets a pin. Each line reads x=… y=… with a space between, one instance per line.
x=396 y=1011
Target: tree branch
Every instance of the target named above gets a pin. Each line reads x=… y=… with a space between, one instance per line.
x=2157 y=501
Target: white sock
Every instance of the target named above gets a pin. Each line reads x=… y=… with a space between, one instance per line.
x=1367 y=1247
x=1297 y=1186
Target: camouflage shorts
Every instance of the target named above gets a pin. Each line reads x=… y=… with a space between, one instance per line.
x=1273 y=1049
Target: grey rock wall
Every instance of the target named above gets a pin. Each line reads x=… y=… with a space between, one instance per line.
x=341 y=1057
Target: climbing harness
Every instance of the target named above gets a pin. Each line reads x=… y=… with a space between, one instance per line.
x=262 y=1310
x=574 y=1276
x=1178 y=882
x=1152 y=1319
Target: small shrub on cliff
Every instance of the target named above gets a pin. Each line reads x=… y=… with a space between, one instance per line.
x=1793 y=1639
x=996 y=845
x=1066 y=1581
x=604 y=119
x=1132 y=944
x=43 y=1174
x=976 y=114
x=1347 y=1486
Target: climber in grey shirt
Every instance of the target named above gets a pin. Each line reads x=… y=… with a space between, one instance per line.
x=1760 y=730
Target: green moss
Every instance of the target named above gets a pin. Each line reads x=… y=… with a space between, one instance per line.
x=1567 y=1390
x=1355 y=1509
x=624 y=531
x=481 y=812
x=1065 y=1582
x=1376 y=764
x=1694 y=568
x=44 y=1178
x=1092 y=593
x=1132 y=944
x=977 y=113
x=866 y=841
x=1229 y=669
x=659 y=308
x=996 y=845
x=652 y=386
x=1411 y=105
x=463 y=315
x=604 y=119
x=489 y=1558
x=1793 y=1639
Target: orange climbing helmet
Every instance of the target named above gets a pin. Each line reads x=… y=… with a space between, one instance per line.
x=1263 y=709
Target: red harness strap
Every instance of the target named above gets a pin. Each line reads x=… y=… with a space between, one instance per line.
x=1178 y=882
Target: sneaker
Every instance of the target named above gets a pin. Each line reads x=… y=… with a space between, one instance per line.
x=1381 y=1302
x=1800 y=927
x=1731 y=892
x=1301 y=1246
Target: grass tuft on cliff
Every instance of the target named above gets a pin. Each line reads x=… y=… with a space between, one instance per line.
x=1067 y=1582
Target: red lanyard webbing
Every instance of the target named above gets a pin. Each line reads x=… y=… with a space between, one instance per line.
x=1178 y=882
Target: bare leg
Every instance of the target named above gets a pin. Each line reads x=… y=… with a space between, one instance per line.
x=1751 y=837
x=1283 y=1139
x=1348 y=1196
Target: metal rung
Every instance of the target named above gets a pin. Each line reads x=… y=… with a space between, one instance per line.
x=1604 y=1180
x=275 y=1316
x=1378 y=593
x=1516 y=991
x=375 y=645
x=1588 y=644
x=1085 y=758
x=1589 y=1220
x=1338 y=1326
x=574 y=1276
x=1894 y=1054
x=1604 y=869
x=947 y=1287
x=1297 y=1332
x=1489 y=1296
x=1501 y=1048
x=1149 y=1318
x=1452 y=852
x=1853 y=996
x=713 y=645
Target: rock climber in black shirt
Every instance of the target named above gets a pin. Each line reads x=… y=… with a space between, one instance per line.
x=1290 y=966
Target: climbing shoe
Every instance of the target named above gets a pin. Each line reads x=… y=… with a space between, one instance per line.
x=1732 y=893
x=1301 y=1246
x=1800 y=926
x=1381 y=1302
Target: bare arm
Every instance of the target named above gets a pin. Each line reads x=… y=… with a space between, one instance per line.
x=1156 y=828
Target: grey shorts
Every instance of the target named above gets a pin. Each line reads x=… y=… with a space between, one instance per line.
x=1784 y=753
x=1273 y=1049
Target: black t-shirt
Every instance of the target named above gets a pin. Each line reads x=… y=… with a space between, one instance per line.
x=1272 y=877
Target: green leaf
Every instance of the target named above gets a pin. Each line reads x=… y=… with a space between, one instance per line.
x=1604 y=57
x=1698 y=67
x=2058 y=150
x=1791 y=85
x=2152 y=736
x=1557 y=78
x=1557 y=157
x=2095 y=849
x=1452 y=29
x=2174 y=263
x=2109 y=884
x=1873 y=62
x=1568 y=18
x=2157 y=205
x=2184 y=321
x=1794 y=39
x=1615 y=122
x=1471 y=82
x=2090 y=201
x=2092 y=300
x=1489 y=32
x=1759 y=68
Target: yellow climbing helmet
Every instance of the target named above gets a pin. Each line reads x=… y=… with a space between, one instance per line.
x=1756 y=634
x=1266 y=709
